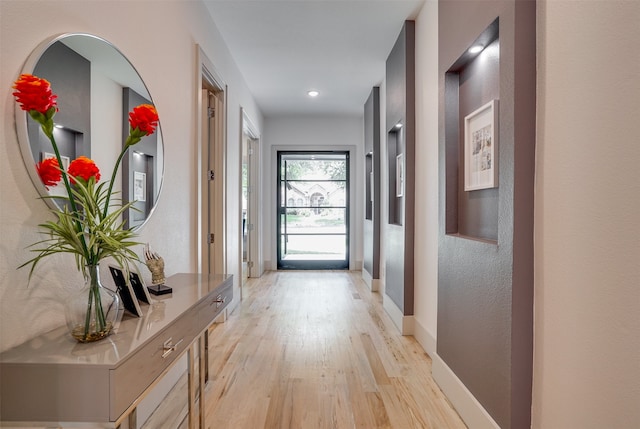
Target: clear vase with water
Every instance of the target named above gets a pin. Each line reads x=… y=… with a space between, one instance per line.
x=92 y=312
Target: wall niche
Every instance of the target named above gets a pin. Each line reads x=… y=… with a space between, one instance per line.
x=396 y=168
x=471 y=82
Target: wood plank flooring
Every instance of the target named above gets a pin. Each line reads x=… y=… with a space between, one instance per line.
x=315 y=349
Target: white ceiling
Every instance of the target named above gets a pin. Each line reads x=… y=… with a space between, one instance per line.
x=285 y=48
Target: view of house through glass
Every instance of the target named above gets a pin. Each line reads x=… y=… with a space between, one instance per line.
x=313 y=205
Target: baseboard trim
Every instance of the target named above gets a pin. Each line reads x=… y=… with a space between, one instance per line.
x=424 y=338
x=375 y=285
x=467 y=406
x=367 y=278
x=402 y=322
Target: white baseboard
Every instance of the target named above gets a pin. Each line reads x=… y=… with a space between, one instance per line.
x=424 y=338
x=402 y=322
x=368 y=280
x=467 y=406
x=373 y=284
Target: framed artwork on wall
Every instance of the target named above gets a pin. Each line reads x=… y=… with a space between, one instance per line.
x=371 y=186
x=65 y=159
x=480 y=143
x=400 y=175
x=57 y=190
x=139 y=186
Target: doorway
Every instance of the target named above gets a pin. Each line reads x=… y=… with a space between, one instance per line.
x=211 y=169
x=313 y=210
x=249 y=225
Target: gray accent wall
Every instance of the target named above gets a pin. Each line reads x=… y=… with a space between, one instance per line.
x=70 y=76
x=371 y=228
x=400 y=108
x=143 y=158
x=485 y=265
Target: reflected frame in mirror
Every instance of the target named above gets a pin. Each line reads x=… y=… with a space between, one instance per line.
x=125 y=89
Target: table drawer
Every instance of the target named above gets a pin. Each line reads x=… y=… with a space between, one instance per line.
x=214 y=305
x=136 y=374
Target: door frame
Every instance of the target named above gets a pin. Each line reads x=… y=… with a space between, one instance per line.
x=272 y=203
x=349 y=235
x=209 y=79
x=250 y=131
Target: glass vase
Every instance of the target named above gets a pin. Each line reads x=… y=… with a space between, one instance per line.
x=91 y=313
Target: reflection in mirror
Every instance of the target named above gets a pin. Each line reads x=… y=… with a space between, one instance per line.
x=97 y=87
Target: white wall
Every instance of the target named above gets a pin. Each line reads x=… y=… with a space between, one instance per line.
x=313 y=133
x=161 y=43
x=587 y=230
x=426 y=243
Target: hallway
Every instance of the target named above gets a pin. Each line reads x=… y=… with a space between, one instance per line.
x=316 y=350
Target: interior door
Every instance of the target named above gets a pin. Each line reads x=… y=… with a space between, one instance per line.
x=245 y=239
x=216 y=176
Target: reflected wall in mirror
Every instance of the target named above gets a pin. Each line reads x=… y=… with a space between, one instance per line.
x=97 y=87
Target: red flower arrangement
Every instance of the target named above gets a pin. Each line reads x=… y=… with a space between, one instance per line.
x=34 y=93
x=36 y=98
x=86 y=225
x=49 y=172
x=85 y=168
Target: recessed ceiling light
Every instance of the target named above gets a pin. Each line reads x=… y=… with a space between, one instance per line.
x=313 y=93
x=476 y=49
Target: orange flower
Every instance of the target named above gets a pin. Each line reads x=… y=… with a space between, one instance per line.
x=145 y=118
x=34 y=93
x=49 y=172
x=83 y=168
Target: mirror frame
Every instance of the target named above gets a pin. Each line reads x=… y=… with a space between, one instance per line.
x=22 y=118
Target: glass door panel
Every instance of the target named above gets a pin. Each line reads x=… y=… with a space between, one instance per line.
x=313 y=220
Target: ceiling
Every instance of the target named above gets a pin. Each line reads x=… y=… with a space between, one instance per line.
x=286 y=48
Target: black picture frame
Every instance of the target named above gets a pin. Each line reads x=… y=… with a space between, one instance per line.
x=125 y=291
x=137 y=283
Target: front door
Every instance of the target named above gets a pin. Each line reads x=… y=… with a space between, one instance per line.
x=313 y=210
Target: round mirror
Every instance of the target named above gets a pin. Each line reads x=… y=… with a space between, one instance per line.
x=97 y=87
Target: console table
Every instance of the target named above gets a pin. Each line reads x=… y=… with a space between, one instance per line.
x=54 y=381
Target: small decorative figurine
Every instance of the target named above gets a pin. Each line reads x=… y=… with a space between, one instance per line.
x=155 y=263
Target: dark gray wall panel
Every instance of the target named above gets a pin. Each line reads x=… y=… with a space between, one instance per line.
x=143 y=157
x=70 y=76
x=485 y=287
x=371 y=228
x=400 y=107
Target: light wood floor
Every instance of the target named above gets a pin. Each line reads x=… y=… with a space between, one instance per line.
x=316 y=350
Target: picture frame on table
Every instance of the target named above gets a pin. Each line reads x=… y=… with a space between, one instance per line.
x=125 y=291
x=480 y=147
x=139 y=287
x=132 y=292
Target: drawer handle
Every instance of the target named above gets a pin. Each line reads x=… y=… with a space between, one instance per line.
x=168 y=347
x=218 y=301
